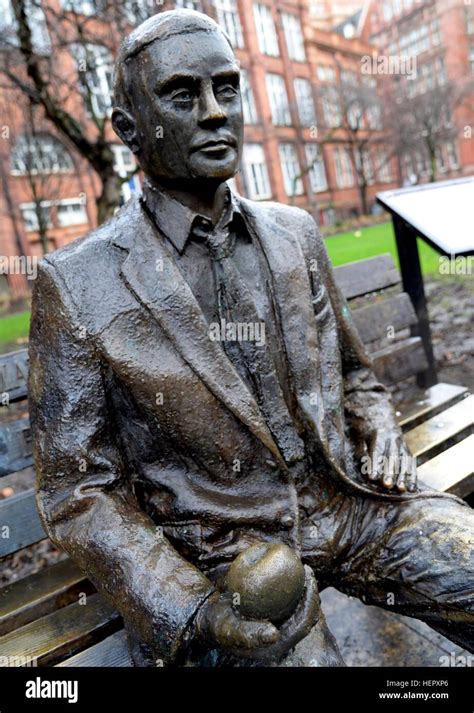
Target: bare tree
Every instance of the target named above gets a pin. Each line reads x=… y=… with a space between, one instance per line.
x=61 y=61
x=351 y=117
x=421 y=119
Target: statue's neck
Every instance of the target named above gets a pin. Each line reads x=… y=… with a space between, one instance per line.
x=206 y=199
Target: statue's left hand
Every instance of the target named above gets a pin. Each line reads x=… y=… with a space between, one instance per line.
x=294 y=629
x=389 y=462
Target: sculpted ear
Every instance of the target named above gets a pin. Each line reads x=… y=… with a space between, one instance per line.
x=125 y=127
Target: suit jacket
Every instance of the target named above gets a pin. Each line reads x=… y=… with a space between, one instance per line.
x=139 y=418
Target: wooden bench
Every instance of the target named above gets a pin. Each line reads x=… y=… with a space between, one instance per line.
x=42 y=617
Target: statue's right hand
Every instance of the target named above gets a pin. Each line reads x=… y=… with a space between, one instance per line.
x=218 y=624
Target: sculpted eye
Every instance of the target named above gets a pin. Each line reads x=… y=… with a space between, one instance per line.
x=227 y=90
x=182 y=96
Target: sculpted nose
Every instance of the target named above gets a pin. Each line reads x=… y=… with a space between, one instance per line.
x=210 y=110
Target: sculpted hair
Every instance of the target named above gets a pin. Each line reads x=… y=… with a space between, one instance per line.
x=158 y=27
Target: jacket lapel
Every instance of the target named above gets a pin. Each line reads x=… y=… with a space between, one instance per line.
x=152 y=275
x=292 y=292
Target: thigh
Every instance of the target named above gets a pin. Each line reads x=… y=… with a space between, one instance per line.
x=412 y=554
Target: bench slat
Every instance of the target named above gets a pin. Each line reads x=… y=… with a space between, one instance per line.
x=39 y=594
x=365 y=276
x=111 y=652
x=451 y=471
x=429 y=438
x=63 y=633
x=436 y=399
x=14 y=374
x=372 y=321
x=16 y=446
x=20 y=523
x=400 y=360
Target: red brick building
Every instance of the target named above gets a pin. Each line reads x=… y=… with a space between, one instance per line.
x=439 y=35
x=296 y=147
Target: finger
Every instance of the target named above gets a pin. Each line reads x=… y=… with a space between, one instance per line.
x=412 y=477
x=245 y=634
x=375 y=449
x=405 y=466
x=390 y=463
x=308 y=610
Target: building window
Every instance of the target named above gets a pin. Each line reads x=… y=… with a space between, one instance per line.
x=374 y=117
x=189 y=4
x=129 y=188
x=343 y=166
x=278 y=99
x=95 y=70
x=290 y=167
x=80 y=7
x=453 y=157
x=71 y=212
x=440 y=161
x=9 y=27
x=30 y=211
x=331 y=107
x=255 y=172
x=137 y=11
x=266 y=32
x=293 y=37
x=39 y=153
x=317 y=171
x=421 y=165
x=435 y=32
x=304 y=102
x=469 y=12
x=124 y=163
x=383 y=166
x=326 y=74
x=248 y=101
x=440 y=71
x=228 y=18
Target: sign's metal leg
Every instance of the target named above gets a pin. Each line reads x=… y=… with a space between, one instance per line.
x=413 y=284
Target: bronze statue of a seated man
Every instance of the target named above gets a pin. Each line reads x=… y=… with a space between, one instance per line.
x=200 y=398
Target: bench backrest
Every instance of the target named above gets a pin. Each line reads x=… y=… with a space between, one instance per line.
x=378 y=321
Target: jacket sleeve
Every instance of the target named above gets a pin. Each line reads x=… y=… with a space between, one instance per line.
x=367 y=402
x=83 y=495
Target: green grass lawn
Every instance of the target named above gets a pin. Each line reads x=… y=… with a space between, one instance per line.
x=342 y=248
x=14 y=331
x=376 y=240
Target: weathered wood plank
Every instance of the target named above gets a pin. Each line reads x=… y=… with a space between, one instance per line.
x=111 y=652
x=16 y=446
x=13 y=375
x=20 y=524
x=39 y=594
x=400 y=360
x=452 y=471
x=436 y=399
x=364 y=276
x=374 y=321
x=63 y=633
x=438 y=433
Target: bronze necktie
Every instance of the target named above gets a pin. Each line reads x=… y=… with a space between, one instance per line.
x=253 y=361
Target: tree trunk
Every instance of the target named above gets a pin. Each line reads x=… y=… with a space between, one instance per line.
x=109 y=198
x=363 y=197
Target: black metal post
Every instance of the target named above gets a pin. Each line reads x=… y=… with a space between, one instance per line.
x=413 y=284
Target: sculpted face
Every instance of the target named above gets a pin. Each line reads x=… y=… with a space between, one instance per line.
x=187 y=108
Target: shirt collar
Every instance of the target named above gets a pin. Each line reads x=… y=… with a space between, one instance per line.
x=176 y=220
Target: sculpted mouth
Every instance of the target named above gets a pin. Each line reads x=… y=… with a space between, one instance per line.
x=214 y=145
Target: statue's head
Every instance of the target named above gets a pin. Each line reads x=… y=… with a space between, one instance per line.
x=177 y=102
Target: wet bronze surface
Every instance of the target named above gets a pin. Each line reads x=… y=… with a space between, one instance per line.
x=162 y=454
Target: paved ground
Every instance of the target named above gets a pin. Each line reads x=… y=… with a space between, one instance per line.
x=369 y=636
